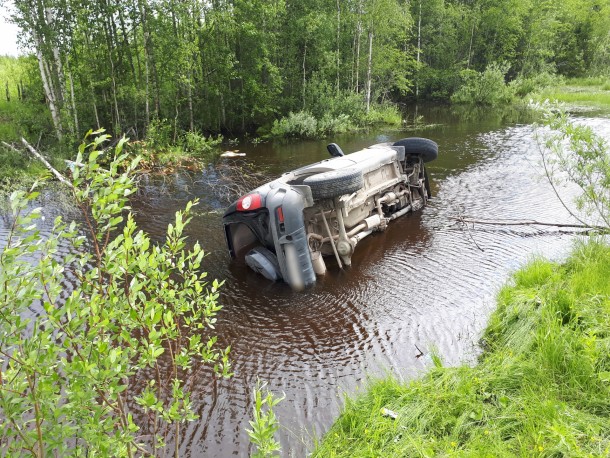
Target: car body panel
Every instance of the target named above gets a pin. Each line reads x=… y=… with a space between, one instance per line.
x=382 y=183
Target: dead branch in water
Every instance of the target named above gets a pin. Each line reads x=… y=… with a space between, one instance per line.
x=230 y=180
x=514 y=222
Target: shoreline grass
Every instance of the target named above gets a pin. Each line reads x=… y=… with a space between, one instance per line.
x=541 y=387
x=590 y=92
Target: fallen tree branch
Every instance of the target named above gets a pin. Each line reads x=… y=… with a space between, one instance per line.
x=509 y=222
x=46 y=163
x=41 y=158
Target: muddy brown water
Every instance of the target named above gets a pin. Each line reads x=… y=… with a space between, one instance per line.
x=420 y=285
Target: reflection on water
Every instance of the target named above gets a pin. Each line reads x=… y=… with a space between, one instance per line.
x=420 y=284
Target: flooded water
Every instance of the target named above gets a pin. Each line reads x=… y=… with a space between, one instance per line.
x=424 y=284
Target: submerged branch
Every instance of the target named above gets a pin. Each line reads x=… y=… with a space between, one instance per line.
x=531 y=222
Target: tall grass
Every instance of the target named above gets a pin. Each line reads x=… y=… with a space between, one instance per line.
x=541 y=388
x=593 y=91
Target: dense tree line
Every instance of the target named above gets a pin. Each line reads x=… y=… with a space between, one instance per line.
x=234 y=65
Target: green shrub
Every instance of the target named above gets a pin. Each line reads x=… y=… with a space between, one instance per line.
x=484 y=88
x=335 y=125
x=200 y=146
x=523 y=86
x=322 y=100
x=264 y=424
x=575 y=154
x=438 y=84
x=383 y=114
x=300 y=125
x=159 y=134
x=139 y=312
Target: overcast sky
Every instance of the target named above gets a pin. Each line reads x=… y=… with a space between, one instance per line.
x=8 y=33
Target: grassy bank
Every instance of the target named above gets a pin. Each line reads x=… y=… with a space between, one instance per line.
x=593 y=92
x=541 y=388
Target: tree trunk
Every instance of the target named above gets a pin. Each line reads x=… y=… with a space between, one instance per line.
x=126 y=44
x=418 y=50
x=73 y=99
x=358 y=36
x=58 y=71
x=8 y=93
x=97 y=117
x=369 y=73
x=150 y=63
x=48 y=88
x=304 y=74
x=190 y=101
x=338 y=42
x=470 y=46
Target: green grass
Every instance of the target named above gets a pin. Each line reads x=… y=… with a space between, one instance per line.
x=591 y=91
x=541 y=388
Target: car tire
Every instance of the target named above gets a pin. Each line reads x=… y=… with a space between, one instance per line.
x=424 y=147
x=335 y=183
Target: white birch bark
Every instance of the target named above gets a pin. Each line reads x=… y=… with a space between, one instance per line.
x=73 y=99
x=369 y=73
x=47 y=87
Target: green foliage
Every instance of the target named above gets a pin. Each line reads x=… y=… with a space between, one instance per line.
x=264 y=424
x=540 y=389
x=523 y=85
x=383 y=114
x=159 y=134
x=438 y=84
x=103 y=370
x=300 y=125
x=199 y=145
x=590 y=91
x=484 y=88
x=304 y=125
x=22 y=112
x=575 y=154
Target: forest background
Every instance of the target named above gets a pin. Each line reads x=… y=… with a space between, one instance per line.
x=175 y=72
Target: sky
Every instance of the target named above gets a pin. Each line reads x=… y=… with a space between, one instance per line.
x=8 y=33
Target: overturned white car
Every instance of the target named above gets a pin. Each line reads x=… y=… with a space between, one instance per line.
x=285 y=228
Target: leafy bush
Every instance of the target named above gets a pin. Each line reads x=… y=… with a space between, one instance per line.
x=575 y=154
x=159 y=134
x=383 y=114
x=300 y=125
x=322 y=100
x=138 y=311
x=335 y=125
x=484 y=88
x=523 y=86
x=199 y=145
x=438 y=84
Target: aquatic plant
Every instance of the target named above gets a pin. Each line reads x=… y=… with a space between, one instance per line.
x=264 y=423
